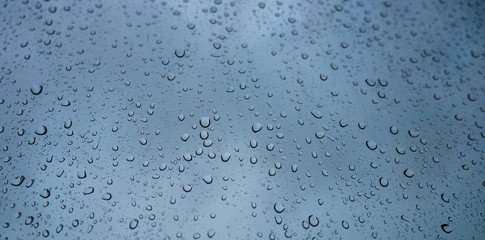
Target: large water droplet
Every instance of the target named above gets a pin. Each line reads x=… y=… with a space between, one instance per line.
x=257 y=127
x=204 y=122
x=36 y=89
x=279 y=207
x=41 y=130
x=133 y=224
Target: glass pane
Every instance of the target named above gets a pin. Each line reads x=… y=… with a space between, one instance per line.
x=228 y=119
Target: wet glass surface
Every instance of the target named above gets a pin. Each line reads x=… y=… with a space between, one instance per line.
x=242 y=119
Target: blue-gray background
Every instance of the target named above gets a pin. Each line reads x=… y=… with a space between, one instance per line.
x=371 y=119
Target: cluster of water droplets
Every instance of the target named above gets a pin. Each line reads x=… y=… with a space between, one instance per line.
x=242 y=120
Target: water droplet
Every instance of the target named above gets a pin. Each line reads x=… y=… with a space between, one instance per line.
x=204 y=135
x=253 y=143
x=180 y=53
x=383 y=181
x=371 y=144
x=41 y=130
x=446 y=228
x=185 y=137
x=88 y=190
x=208 y=179
x=133 y=224
x=211 y=233
x=204 y=122
x=36 y=89
x=317 y=114
x=279 y=207
x=106 y=196
x=408 y=173
x=19 y=181
x=400 y=150
x=345 y=224
x=313 y=220
x=187 y=157
x=45 y=193
x=187 y=188
x=225 y=157
x=257 y=127
x=323 y=77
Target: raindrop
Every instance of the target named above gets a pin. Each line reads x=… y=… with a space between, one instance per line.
x=257 y=127
x=323 y=77
x=204 y=122
x=446 y=228
x=106 y=196
x=319 y=135
x=408 y=173
x=180 y=53
x=133 y=224
x=371 y=144
x=19 y=182
x=45 y=193
x=42 y=130
x=225 y=157
x=187 y=188
x=383 y=181
x=253 y=143
x=88 y=190
x=211 y=233
x=317 y=114
x=313 y=220
x=185 y=137
x=36 y=89
x=279 y=207
x=204 y=135
x=208 y=179
x=345 y=224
